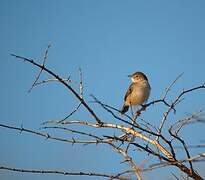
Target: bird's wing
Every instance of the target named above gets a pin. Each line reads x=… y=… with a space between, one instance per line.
x=129 y=91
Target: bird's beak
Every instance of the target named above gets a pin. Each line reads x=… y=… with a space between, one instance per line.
x=129 y=76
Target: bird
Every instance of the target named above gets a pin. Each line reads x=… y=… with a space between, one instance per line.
x=138 y=91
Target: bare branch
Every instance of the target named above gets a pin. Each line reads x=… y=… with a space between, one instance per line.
x=197 y=158
x=194 y=146
x=124 y=172
x=127 y=122
x=74 y=131
x=135 y=168
x=52 y=80
x=175 y=102
x=185 y=148
x=144 y=137
x=187 y=91
x=41 y=70
x=65 y=173
x=195 y=117
x=75 y=110
x=48 y=136
x=62 y=82
x=170 y=86
x=81 y=95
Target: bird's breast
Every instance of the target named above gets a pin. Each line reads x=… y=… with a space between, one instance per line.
x=139 y=94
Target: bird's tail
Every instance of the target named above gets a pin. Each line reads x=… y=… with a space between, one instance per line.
x=124 y=109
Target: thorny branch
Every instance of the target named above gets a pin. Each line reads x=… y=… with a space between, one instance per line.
x=41 y=70
x=197 y=158
x=51 y=80
x=73 y=131
x=171 y=85
x=152 y=141
x=62 y=82
x=175 y=102
x=48 y=136
x=193 y=118
x=65 y=173
x=81 y=95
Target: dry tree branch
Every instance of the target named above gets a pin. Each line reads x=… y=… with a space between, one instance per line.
x=145 y=134
x=171 y=85
x=81 y=95
x=145 y=106
x=194 y=117
x=41 y=70
x=74 y=141
x=108 y=106
x=65 y=173
x=128 y=159
x=185 y=147
x=123 y=129
x=48 y=136
x=115 y=126
x=175 y=102
x=175 y=162
x=75 y=110
x=193 y=146
x=180 y=124
x=135 y=125
x=51 y=80
x=73 y=131
x=167 y=155
x=62 y=82
x=124 y=172
x=197 y=158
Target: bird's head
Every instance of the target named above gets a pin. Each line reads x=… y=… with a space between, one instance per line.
x=138 y=77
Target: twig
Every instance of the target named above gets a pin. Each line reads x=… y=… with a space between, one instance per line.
x=123 y=172
x=51 y=80
x=75 y=110
x=73 y=131
x=41 y=70
x=174 y=103
x=66 y=173
x=113 y=126
x=181 y=123
x=81 y=95
x=48 y=136
x=136 y=125
x=175 y=176
x=192 y=146
x=128 y=159
x=185 y=148
x=197 y=158
x=145 y=106
x=81 y=82
x=170 y=86
x=62 y=82
x=108 y=106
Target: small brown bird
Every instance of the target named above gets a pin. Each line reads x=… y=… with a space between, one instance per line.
x=138 y=92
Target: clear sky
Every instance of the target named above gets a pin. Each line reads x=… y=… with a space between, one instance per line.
x=108 y=39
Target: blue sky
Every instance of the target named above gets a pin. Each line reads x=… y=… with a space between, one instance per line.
x=108 y=40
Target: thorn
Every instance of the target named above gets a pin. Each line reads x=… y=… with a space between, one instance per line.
x=21 y=129
x=124 y=161
x=47 y=136
x=73 y=141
